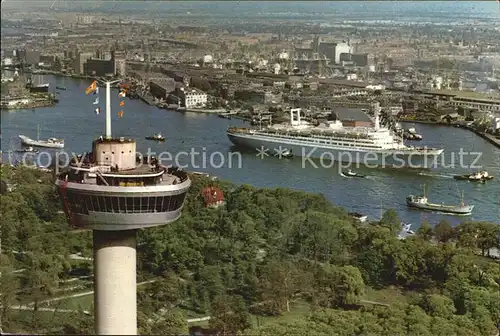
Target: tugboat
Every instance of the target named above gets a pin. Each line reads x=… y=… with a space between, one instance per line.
x=421 y=202
x=360 y=217
x=481 y=176
x=156 y=137
x=350 y=173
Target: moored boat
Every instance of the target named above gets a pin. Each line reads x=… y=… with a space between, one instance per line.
x=360 y=217
x=406 y=231
x=224 y=115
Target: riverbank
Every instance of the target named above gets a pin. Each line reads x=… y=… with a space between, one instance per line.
x=488 y=137
x=202 y=110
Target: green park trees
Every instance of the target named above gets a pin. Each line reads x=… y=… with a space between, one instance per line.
x=261 y=254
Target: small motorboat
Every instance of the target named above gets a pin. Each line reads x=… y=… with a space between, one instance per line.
x=28 y=150
x=287 y=154
x=156 y=137
x=480 y=177
x=359 y=217
x=350 y=173
x=225 y=116
x=60 y=87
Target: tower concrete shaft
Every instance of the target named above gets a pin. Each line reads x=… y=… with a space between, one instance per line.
x=115 y=283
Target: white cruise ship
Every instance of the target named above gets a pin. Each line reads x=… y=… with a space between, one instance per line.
x=334 y=142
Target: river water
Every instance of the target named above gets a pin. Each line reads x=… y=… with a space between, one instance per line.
x=73 y=119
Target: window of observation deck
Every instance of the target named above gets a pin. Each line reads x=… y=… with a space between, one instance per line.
x=82 y=204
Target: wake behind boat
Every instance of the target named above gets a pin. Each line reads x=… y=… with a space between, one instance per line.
x=421 y=202
x=49 y=143
x=28 y=150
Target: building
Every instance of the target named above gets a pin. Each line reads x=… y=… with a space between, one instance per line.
x=48 y=59
x=491 y=105
x=161 y=88
x=68 y=54
x=99 y=67
x=79 y=63
x=192 y=97
x=341 y=48
x=213 y=197
x=258 y=96
x=327 y=50
x=31 y=56
x=114 y=193
x=360 y=59
x=177 y=76
x=351 y=117
x=120 y=63
x=495 y=124
x=85 y=19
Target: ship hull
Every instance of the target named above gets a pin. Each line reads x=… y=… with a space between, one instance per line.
x=457 y=210
x=44 y=88
x=30 y=142
x=392 y=159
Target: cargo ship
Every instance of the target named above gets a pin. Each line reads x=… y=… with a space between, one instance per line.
x=421 y=202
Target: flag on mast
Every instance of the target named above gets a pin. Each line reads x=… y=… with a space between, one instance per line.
x=122 y=103
x=122 y=94
x=120 y=114
x=96 y=101
x=97 y=110
x=91 y=88
x=96 y=92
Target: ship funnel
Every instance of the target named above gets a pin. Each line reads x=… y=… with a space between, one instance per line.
x=376 y=113
x=295 y=116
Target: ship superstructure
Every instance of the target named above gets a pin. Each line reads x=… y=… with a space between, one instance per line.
x=332 y=140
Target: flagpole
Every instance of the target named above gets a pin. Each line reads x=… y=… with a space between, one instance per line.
x=108 y=110
x=108 y=105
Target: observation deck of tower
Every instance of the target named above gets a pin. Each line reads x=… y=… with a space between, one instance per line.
x=114 y=192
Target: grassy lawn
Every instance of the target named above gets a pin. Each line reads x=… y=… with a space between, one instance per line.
x=297 y=309
x=386 y=295
x=77 y=303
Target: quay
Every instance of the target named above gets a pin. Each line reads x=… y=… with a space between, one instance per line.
x=488 y=137
x=495 y=141
x=202 y=110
